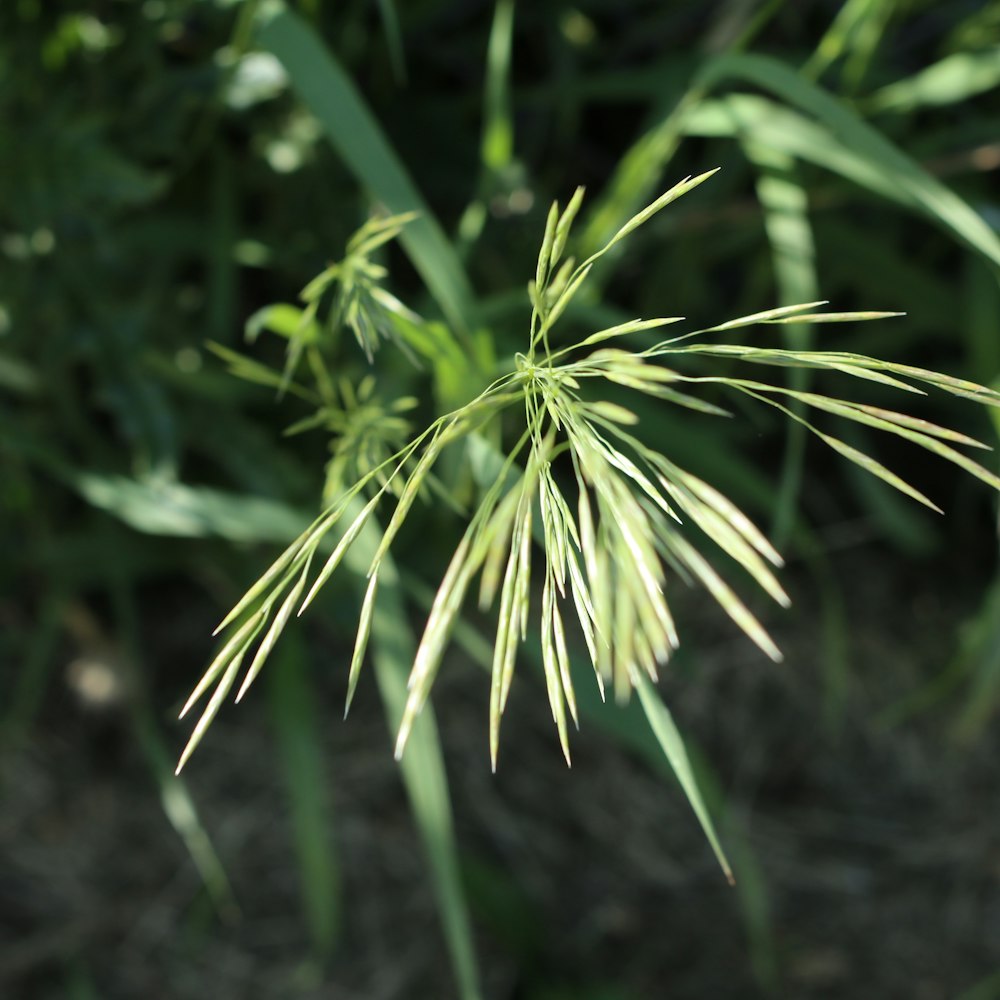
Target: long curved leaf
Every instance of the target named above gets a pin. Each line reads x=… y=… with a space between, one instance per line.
x=330 y=94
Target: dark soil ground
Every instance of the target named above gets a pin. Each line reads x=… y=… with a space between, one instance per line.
x=868 y=857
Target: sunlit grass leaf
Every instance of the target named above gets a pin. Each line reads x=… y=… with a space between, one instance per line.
x=852 y=37
x=283 y=319
x=823 y=130
x=953 y=79
x=836 y=139
x=159 y=506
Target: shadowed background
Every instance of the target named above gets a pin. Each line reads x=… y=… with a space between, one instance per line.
x=169 y=168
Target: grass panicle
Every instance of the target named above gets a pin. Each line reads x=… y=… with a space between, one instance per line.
x=614 y=520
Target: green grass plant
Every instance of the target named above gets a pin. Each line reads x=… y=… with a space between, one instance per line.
x=575 y=463
x=609 y=543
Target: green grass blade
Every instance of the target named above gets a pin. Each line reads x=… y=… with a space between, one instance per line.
x=422 y=766
x=793 y=252
x=176 y=800
x=158 y=507
x=496 y=143
x=330 y=94
x=902 y=179
x=670 y=740
x=854 y=36
x=182 y=814
x=828 y=133
x=298 y=732
x=498 y=129
x=954 y=79
x=636 y=176
x=980 y=297
x=393 y=39
x=25 y=696
x=426 y=783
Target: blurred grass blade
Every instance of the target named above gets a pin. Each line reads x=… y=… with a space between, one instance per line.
x=902 y=178
x=25 y=696
x=183 y=816
x=423 y=771
x=829 y=134
x=496 y=143
x=158 y=507
x=854 y=36
x=752 y=887
x=954 y=79
x=393 y=39
x=793 y=253
x=422 y=766
x=178 y=805
x=498 y=127
x=182 y=812
x=299 y=736
x=978 y=661
x=330 y=94
x=18 y=377
x=987 y=988
x=834 y=41
x=636 y=175
x=663 y=726
x=980 y=297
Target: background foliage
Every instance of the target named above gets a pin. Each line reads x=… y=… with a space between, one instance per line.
x=170 y=168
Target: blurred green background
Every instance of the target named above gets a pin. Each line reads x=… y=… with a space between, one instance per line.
x=169 y=167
